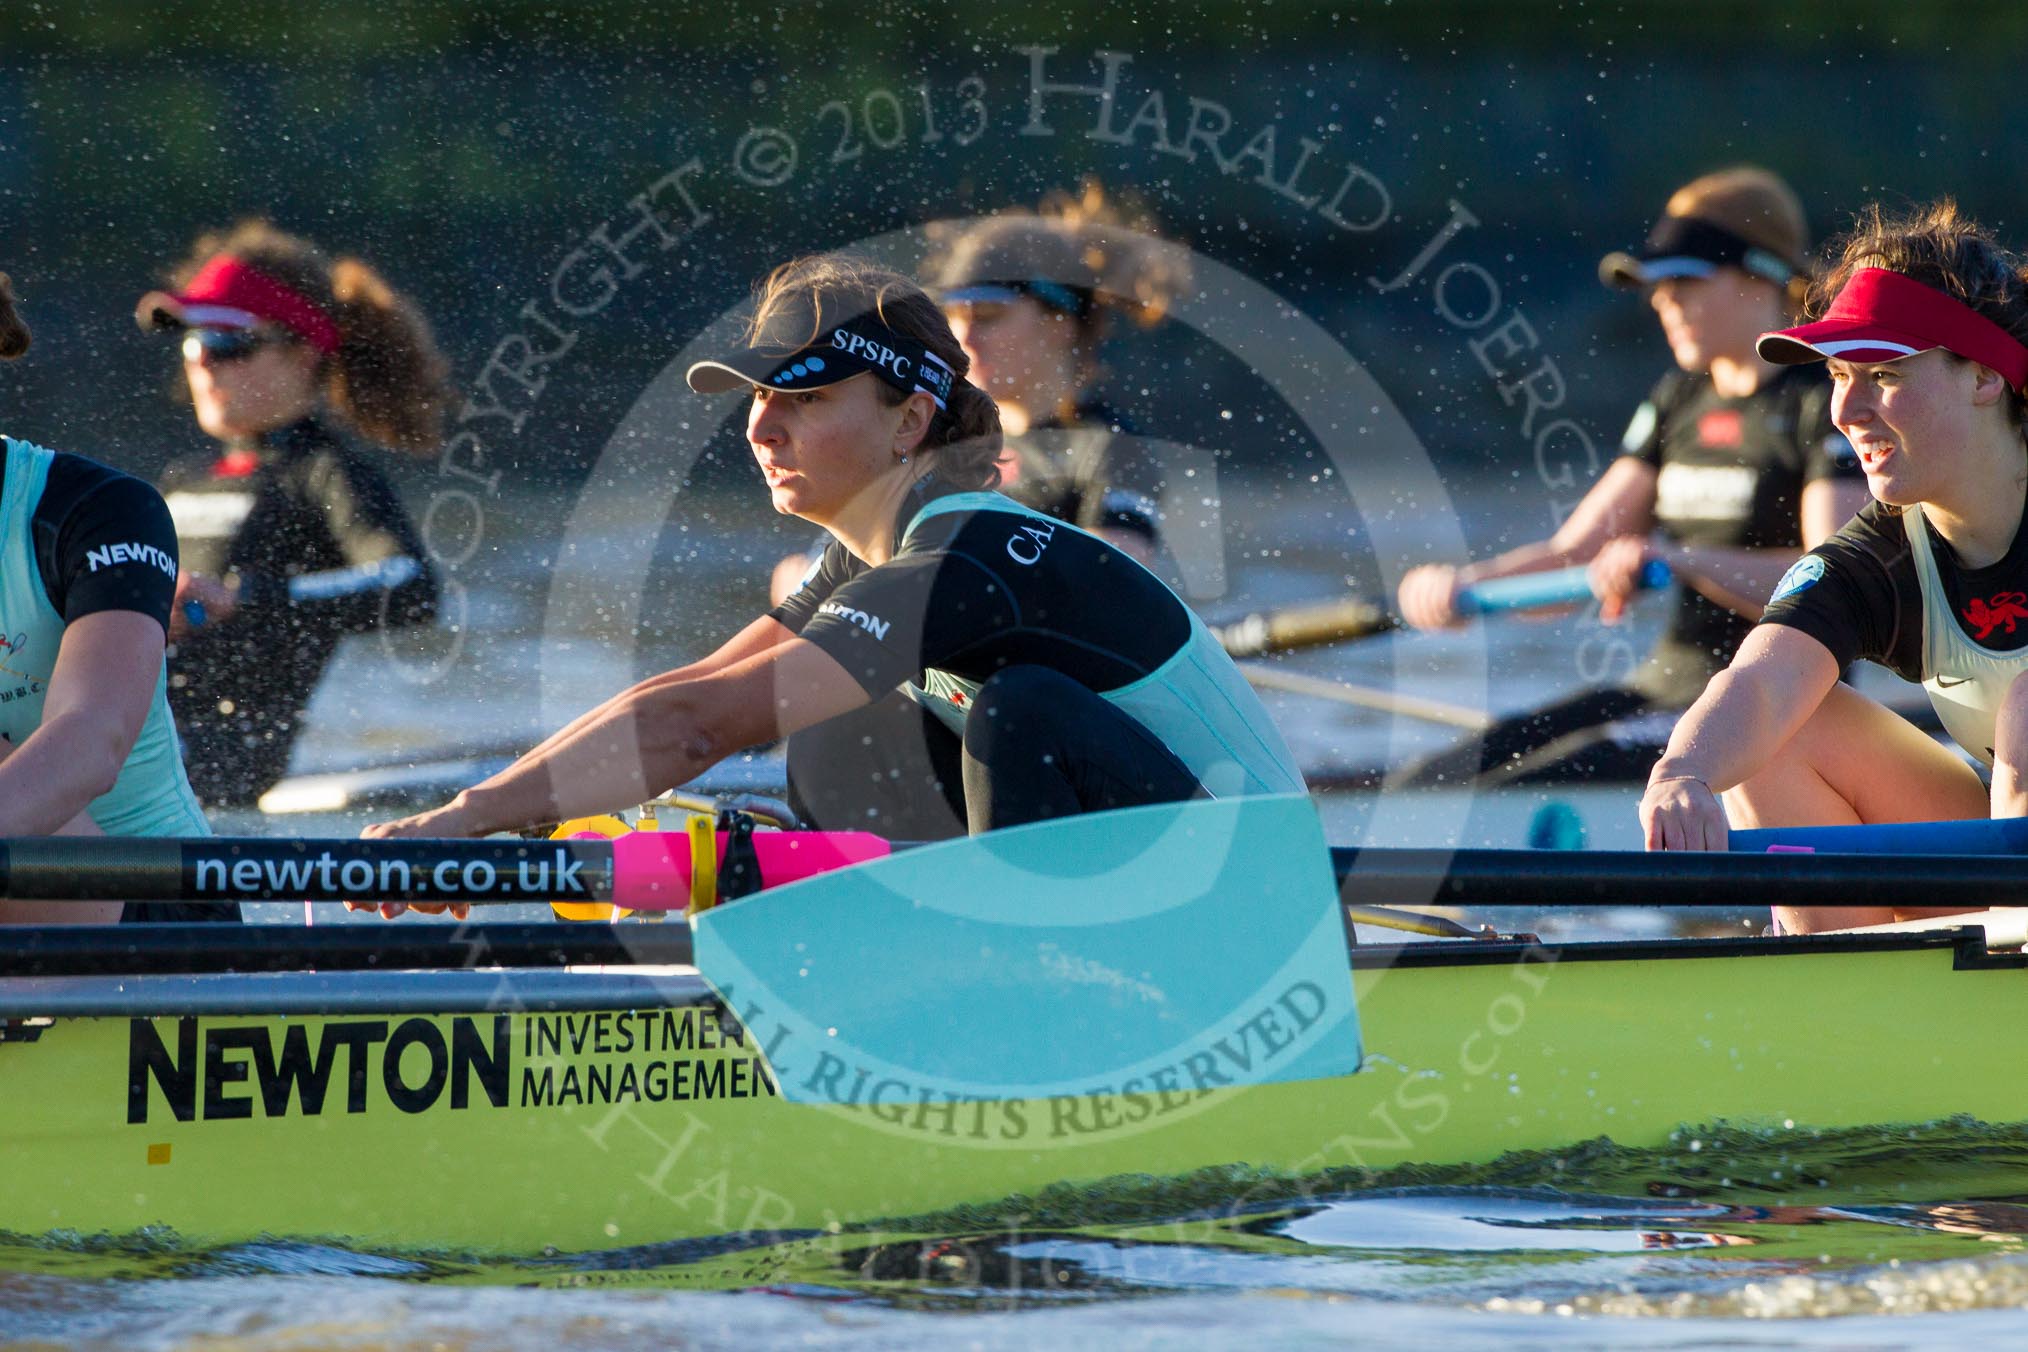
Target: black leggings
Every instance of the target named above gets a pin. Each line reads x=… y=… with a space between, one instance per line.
x=1037 y=745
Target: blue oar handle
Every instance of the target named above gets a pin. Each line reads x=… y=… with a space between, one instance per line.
x=1531 y=591
x=1981 y=835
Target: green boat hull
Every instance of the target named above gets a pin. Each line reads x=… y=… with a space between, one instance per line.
x=503 y=1122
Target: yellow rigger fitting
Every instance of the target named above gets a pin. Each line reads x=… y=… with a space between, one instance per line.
x=612 y=828
x=703 y=832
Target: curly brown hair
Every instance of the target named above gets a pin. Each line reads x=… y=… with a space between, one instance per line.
x=387 y=379
x=806 y=296
x=1102 y=247
x=1941 y=247
x=14 y=335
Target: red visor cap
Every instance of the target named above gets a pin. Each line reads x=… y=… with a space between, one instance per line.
x=1884 y=316
x=229 y=293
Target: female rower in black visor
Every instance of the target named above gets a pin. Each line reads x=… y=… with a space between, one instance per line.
x=1924 y=326
x=1729 y=469
x=1030 y=295
x=1068 y=676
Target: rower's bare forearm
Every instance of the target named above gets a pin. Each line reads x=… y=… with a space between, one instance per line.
x=589 y=719
x=1726 y=735
x=663 y=732
x=1539 y=557
x=1576 y=542
x=755 y=639
x=614 y=759
x=48 y=782
x=1741 y=580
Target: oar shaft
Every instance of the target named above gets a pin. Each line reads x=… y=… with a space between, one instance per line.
x=1318 y=623
x=1732 y=881
x=492 y=871
x=220 y=868
x=1368 y=877
x=1978 y=835
x=1263 y=676
x=94 y=950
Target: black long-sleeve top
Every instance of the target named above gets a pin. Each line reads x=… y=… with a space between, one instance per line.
x=320 y=547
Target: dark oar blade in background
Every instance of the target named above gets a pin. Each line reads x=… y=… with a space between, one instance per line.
x=1304 y=626
x=1341 y=620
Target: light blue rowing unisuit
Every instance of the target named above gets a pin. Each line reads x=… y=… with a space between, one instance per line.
x=979 y=583
x=151 y=797
x=1197 y=702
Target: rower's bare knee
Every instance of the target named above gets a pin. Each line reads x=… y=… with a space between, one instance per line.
x=1796 y=786
x=2010 y=752
x=1854 y=760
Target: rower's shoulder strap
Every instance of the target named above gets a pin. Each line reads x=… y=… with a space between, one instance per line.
x=24 y=468
x=982 y=500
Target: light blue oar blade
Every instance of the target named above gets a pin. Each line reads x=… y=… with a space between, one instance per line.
x=1980 y=835
x=1185 y=946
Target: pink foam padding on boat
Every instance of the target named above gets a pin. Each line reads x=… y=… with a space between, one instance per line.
x=651 y=869
x=1791 y=849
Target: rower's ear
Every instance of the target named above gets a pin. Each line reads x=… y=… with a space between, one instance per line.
x=1988 y=385
x=917 y=412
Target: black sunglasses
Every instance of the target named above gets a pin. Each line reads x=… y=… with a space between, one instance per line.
x=226 y=345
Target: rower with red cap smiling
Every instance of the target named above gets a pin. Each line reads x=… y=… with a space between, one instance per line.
x=291 y=537
x=1924 y=325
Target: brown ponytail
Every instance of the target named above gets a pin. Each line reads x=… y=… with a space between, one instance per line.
x=13 y=330
x=1103 y=249
x=386 y=380
x=803 y=298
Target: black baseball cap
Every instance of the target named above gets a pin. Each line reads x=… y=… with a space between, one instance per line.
x=860 y=346
x=1690 y=246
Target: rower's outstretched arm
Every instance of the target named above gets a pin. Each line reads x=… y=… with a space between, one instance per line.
x=656 y=735
x=1745 y=715
x=762 y=635
x=1621 y=503
x=1742 y=579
